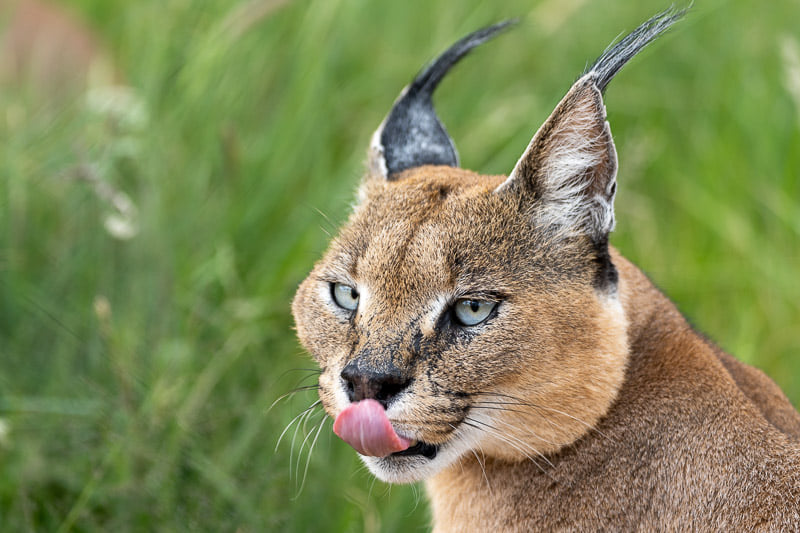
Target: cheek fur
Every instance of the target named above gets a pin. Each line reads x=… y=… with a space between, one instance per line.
x=331 y=392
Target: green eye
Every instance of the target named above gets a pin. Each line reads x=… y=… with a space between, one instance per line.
x=472 y=312
x=345 y=296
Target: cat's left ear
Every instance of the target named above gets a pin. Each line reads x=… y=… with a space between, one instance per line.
x=412 y=135
x=567 y=175
x=566 y=178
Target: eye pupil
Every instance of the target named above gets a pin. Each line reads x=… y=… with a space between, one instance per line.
x=475 y=306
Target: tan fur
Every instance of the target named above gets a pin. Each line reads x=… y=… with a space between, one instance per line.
x=684 y=448
x=586 y=402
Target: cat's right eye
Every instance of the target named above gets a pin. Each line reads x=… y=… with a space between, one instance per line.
x=345 y=296
x=472 y=312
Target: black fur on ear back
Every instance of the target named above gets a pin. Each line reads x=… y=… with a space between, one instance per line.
x=602 y=72
x=412 y=134
x=606 y=275
x=616 y=56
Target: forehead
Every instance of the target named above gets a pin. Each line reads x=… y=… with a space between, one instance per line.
x=442 y=232
x=412 y=234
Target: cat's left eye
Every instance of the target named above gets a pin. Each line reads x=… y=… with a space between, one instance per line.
x=345 y=296
x=472 y=312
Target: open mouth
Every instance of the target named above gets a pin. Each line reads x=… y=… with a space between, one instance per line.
x=420 y=448
x=365 y=426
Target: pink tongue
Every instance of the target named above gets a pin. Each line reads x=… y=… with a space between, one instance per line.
x=365 y=426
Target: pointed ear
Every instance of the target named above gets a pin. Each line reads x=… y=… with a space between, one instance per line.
x=567 y=175
x=412 y=135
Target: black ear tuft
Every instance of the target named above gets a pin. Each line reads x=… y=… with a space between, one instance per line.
x=567 y=175
x=616 y=56
x=412 y=135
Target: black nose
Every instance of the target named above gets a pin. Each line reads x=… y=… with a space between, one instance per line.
x=362 y=383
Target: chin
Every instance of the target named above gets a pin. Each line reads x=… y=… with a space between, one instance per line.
x=420 y=462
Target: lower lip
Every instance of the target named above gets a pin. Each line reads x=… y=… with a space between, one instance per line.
x=420 y=448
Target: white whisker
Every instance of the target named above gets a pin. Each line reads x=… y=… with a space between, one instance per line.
x=300 y=423
x=310 y=450
x=303 y=444
x=514 y=442
x=289 y=425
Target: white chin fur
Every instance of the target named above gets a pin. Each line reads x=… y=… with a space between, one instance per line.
x=408 y=469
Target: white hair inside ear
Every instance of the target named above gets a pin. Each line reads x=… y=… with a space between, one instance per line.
x=568 y=172
x=569 y=169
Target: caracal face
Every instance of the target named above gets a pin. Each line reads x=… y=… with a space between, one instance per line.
x=513 y=386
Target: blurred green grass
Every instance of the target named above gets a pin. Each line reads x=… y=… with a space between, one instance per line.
x=136 y=376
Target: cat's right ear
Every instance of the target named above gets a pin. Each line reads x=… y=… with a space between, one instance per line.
x=412 y=135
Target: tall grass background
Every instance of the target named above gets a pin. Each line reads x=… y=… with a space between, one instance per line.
x=142 y=345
